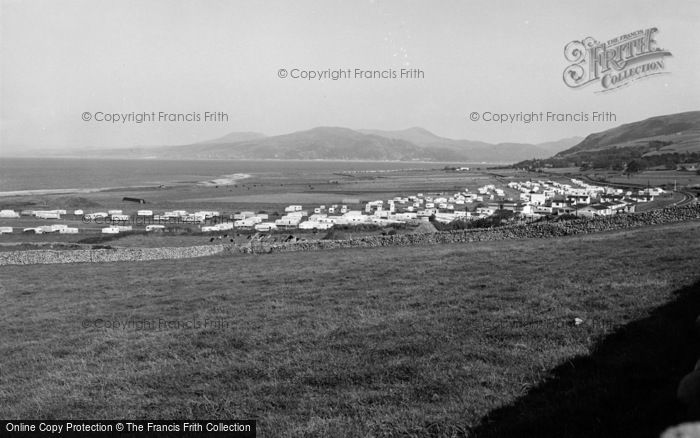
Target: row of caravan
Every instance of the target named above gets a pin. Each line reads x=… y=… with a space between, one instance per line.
x=181 y=215
x=123 y=228
x=45 y=229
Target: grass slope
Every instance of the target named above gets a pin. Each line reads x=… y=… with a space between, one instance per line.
x=450 y=340
x=654 y=128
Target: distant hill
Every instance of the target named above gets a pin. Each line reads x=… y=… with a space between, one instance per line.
x=657 y=141
x=345 y=144
x=479 y=150
x=323 y=143
x=335 y=143
x=416 y=135
x=235 y=137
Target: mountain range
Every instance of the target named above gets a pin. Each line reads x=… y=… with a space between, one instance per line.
x=335 y=143
x=661 y=135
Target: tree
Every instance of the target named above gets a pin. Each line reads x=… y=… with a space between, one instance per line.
x=633 y=167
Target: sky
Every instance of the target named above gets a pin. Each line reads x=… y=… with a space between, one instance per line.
x=62 y=59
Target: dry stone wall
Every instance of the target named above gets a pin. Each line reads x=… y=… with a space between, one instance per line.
x=106 y=255
x=526 y=231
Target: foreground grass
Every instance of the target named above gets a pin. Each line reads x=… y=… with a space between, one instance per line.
x=454 y=340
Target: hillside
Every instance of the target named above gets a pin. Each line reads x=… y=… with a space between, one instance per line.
x=416 y=135
x=479 y=150
x=329 y=143
x=681 y=131
x=657 y=141
x=336 y=143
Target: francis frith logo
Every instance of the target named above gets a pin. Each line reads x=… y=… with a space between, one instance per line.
x=616 y=62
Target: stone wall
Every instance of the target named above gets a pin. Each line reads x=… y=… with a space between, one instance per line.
x=526 y=231
x=106 y=255
x=541 y=230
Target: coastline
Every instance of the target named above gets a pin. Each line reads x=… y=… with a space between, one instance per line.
x=319 y=160
x=200 y=178
x=54 y=191
x=225 y=180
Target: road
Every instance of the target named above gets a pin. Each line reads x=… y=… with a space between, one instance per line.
x=688 y=197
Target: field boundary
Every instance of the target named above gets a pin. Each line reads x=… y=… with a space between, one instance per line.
x=543 y=230
x=40 y=256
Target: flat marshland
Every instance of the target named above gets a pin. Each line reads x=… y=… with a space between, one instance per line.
x=451 y=340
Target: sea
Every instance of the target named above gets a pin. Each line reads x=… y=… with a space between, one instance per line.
x=19 y=174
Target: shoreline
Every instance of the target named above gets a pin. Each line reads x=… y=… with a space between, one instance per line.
x=320 y=160
x=225 y=180
x=55 y=191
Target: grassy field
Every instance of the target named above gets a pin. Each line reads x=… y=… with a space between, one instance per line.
x=660 y=201
x=654 y=178
x=453 y=340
